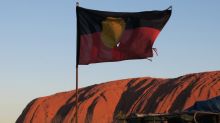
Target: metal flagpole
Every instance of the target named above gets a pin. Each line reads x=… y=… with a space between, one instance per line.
x=76 y=116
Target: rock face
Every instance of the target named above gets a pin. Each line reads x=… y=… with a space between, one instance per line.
x=103 y=102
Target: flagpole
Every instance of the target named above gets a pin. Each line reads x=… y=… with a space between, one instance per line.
x=76 y=115
x=76 y=93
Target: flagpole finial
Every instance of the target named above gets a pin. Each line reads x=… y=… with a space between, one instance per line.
x=77 y=3
x=170 y=8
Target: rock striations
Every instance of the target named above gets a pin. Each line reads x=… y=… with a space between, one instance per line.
x=103 y=102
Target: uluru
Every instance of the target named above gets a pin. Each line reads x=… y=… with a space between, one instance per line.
x=102 y=103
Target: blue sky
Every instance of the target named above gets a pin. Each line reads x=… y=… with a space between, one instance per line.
x=37 y=47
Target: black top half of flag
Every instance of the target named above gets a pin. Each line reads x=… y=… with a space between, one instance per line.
x=90 y=21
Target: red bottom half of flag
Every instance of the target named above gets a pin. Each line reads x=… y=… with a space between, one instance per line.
x=133 y=44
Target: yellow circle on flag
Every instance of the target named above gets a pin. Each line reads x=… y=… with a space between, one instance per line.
x=112 y=29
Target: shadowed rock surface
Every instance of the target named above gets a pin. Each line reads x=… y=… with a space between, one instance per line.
x=101 y=103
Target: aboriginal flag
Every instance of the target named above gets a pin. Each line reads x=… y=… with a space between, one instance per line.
x=114 y=36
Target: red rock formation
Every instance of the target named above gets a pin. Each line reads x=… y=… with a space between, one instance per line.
x=101 y=103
